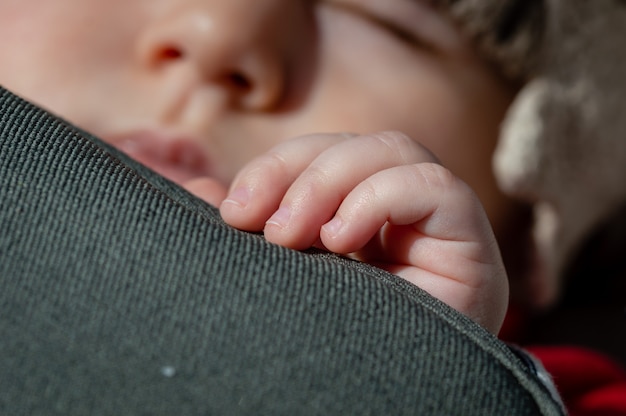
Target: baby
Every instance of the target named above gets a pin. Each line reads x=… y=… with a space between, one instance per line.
x=220 y=95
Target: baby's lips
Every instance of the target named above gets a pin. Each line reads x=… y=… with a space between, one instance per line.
x=175 y=157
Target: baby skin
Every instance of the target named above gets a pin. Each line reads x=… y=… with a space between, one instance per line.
x=380 y=198
x=218 y=94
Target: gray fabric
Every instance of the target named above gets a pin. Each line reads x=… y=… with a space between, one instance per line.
x=122 y=294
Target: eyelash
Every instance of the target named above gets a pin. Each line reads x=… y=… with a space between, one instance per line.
x=404 y=35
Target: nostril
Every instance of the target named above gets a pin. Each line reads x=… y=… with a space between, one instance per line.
x=169 y=53
x=239 y=82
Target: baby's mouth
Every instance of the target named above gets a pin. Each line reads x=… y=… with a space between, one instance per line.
x=177 y=158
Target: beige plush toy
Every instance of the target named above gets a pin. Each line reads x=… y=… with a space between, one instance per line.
x=563 y=143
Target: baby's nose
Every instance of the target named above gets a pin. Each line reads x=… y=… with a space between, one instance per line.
x=242 y=46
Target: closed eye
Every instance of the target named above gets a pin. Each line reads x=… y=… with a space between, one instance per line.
x=399 y=31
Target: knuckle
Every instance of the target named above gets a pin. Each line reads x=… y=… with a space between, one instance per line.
x=316 y=173
x=370 y=189
x=397 y=142
x=436 y=176
x=274 y=161
x=407 y=149
x=267 y=167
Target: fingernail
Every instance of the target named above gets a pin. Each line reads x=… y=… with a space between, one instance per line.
x=239 y=197
x=333 y=226
x=280 y=217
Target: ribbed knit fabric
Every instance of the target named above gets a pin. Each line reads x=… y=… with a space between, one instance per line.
x=122 y=294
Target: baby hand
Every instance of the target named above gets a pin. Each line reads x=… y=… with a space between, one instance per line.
x=385 y=200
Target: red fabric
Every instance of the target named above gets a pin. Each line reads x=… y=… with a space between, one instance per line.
x=515 y=325
x=590 y=383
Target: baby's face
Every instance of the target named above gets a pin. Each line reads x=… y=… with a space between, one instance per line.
x=199 y=87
